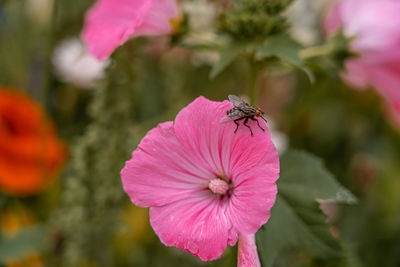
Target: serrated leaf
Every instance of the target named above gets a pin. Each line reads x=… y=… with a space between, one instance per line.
x=296 y=219
x=22 y=244
x=226 y=57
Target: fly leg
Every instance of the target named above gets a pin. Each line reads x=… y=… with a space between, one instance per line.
x=254 y=119
x=237 y=124
x=245 y=124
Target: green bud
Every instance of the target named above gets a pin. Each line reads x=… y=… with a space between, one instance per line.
x=254 y=19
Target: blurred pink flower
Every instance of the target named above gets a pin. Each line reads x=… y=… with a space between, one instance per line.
x=204 y=184
x=110 y=23
x=375 y=25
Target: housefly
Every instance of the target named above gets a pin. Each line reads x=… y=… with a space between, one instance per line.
x=242 y=111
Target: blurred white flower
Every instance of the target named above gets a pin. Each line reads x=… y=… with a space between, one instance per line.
x=74 y=65
x=304 y=17
x=205 y=57
x=202 y=15
x=40 y=10
x=280 y=139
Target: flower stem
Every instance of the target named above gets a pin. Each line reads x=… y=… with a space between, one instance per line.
x=247 y=252
x=48 y=78
x=317 y=51
x=252 y=81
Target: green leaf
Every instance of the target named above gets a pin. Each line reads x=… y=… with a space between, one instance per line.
x=226 y=57
x=283 y=47
x=296 y=220
x=22 y=244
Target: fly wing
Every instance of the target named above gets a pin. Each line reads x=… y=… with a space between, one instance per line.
x=236 y=101
x=232 y=114
x=226 y=119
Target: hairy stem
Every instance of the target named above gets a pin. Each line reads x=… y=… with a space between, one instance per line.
x=317 y=51
x=48 y=78
x=252 y=81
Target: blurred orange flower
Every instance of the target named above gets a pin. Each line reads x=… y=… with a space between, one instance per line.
x=31 y=154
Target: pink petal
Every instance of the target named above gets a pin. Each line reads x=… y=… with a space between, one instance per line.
x=232 y=236
x=215 y=144
x=158 y=19
x=247 y=150
x=333 y=19
x=376 y=24
x=199 y=130
x=386 y=79
x=356 y=73
x=393 y=112
x=197 y=225
x=254 y=195
x=247 y=252
x=160 y=172
x=110 y=23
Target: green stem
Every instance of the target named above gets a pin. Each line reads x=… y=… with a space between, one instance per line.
x=48 y=76
x=252 y=81
x=317 y=51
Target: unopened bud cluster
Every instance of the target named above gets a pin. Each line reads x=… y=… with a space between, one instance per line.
x=254 y=19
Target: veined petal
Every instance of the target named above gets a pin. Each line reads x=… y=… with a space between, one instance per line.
x=216 y=144
x=196 y=224
x=110 y=23
x=158 y=19
x=197 y=127
x=160 y=172
x=254 y=195
x=248 y=151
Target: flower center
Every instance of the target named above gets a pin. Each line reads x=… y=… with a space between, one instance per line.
x=218 y=186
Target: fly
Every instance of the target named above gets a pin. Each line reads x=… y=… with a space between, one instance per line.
x=243 y=111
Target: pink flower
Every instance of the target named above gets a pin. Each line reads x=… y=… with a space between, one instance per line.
x=375 y=25
x=110 y=23
x=204 y=184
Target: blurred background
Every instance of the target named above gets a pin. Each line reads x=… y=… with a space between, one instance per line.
x=93 y=114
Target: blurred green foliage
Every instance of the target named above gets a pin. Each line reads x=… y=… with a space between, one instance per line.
x=296 y=218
